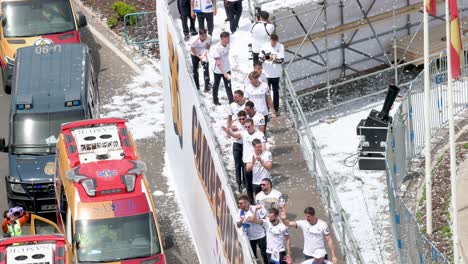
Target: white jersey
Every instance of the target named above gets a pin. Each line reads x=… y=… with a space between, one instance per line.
x=275 y=236
x=221 y=52
x=203 y=6
x=259 y=120
x=259 y=172
x=314 y=235
x=269 y=200
x=261 y=32
x=273 y=70
x=234 y=108
x=240 y=129
x=258 y=95
x=201 y=47
x=252 y=230
x=248 y=149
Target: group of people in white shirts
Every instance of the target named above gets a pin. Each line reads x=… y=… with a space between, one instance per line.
x=250 y=108
x=266 y=226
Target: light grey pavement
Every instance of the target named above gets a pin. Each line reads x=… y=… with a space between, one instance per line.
x=462 y=204
x=290 y=176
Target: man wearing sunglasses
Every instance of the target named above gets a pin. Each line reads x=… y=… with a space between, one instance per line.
x=236 y=106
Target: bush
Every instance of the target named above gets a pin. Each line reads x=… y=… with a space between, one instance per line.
x=122 y=8
x=112 y=21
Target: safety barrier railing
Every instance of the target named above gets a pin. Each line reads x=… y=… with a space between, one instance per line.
x=339 y=223
x=141 y=28
x=405 y=142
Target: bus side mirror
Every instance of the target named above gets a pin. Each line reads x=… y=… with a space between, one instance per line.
x=3 y=146
x=82 y=20
x=3 y=21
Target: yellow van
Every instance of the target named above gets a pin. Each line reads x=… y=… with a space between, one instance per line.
x=104 y=204
x=34 y=22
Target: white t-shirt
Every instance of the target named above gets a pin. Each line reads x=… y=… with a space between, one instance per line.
x=248 y=149
x=258 y=95
x=234 y=108
x=314 y=235
x=272 y=70
x=203 y=6
x=222 y=53
x=259 y=119
x=259 y=172
x=252 y=230
x=261 y=32
x=275 y=236
x=201 y=47
x=269 y=200
x=240 y=128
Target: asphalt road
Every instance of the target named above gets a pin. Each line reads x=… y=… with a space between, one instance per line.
x=114 y=73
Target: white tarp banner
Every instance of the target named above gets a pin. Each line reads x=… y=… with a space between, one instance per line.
x=200 y=181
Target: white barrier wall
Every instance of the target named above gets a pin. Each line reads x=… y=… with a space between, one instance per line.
x=200 y=180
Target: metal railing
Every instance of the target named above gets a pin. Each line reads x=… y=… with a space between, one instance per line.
x=141 y=28
x=406 y=141
x=337 y=215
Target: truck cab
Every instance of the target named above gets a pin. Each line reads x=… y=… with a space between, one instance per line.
x=34 y=22
x=53 y=84
x=105 y=208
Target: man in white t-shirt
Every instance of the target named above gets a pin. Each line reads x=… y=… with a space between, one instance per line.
x=247 y=136
x=259 y=93
x=278 y=241
x=255 y=232
x=272 y=56
x=260 y=164
x=261 y=32
x=222 y=68
x=237 y=148
x=236 y=106
x=315 y=233
x=257 y=117
x=199 y=53
x=268 y=197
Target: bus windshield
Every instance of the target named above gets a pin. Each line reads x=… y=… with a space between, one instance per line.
x=36 y=17
x=116 y=239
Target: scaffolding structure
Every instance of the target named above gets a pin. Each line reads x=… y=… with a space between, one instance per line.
x=330 y=43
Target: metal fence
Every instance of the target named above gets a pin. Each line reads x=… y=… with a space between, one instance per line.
x=141 y=28
x=406 y=141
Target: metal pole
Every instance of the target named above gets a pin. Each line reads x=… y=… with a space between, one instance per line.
x=395 y=57
x=427 y=124
x=453 y=164
x=326 y=48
